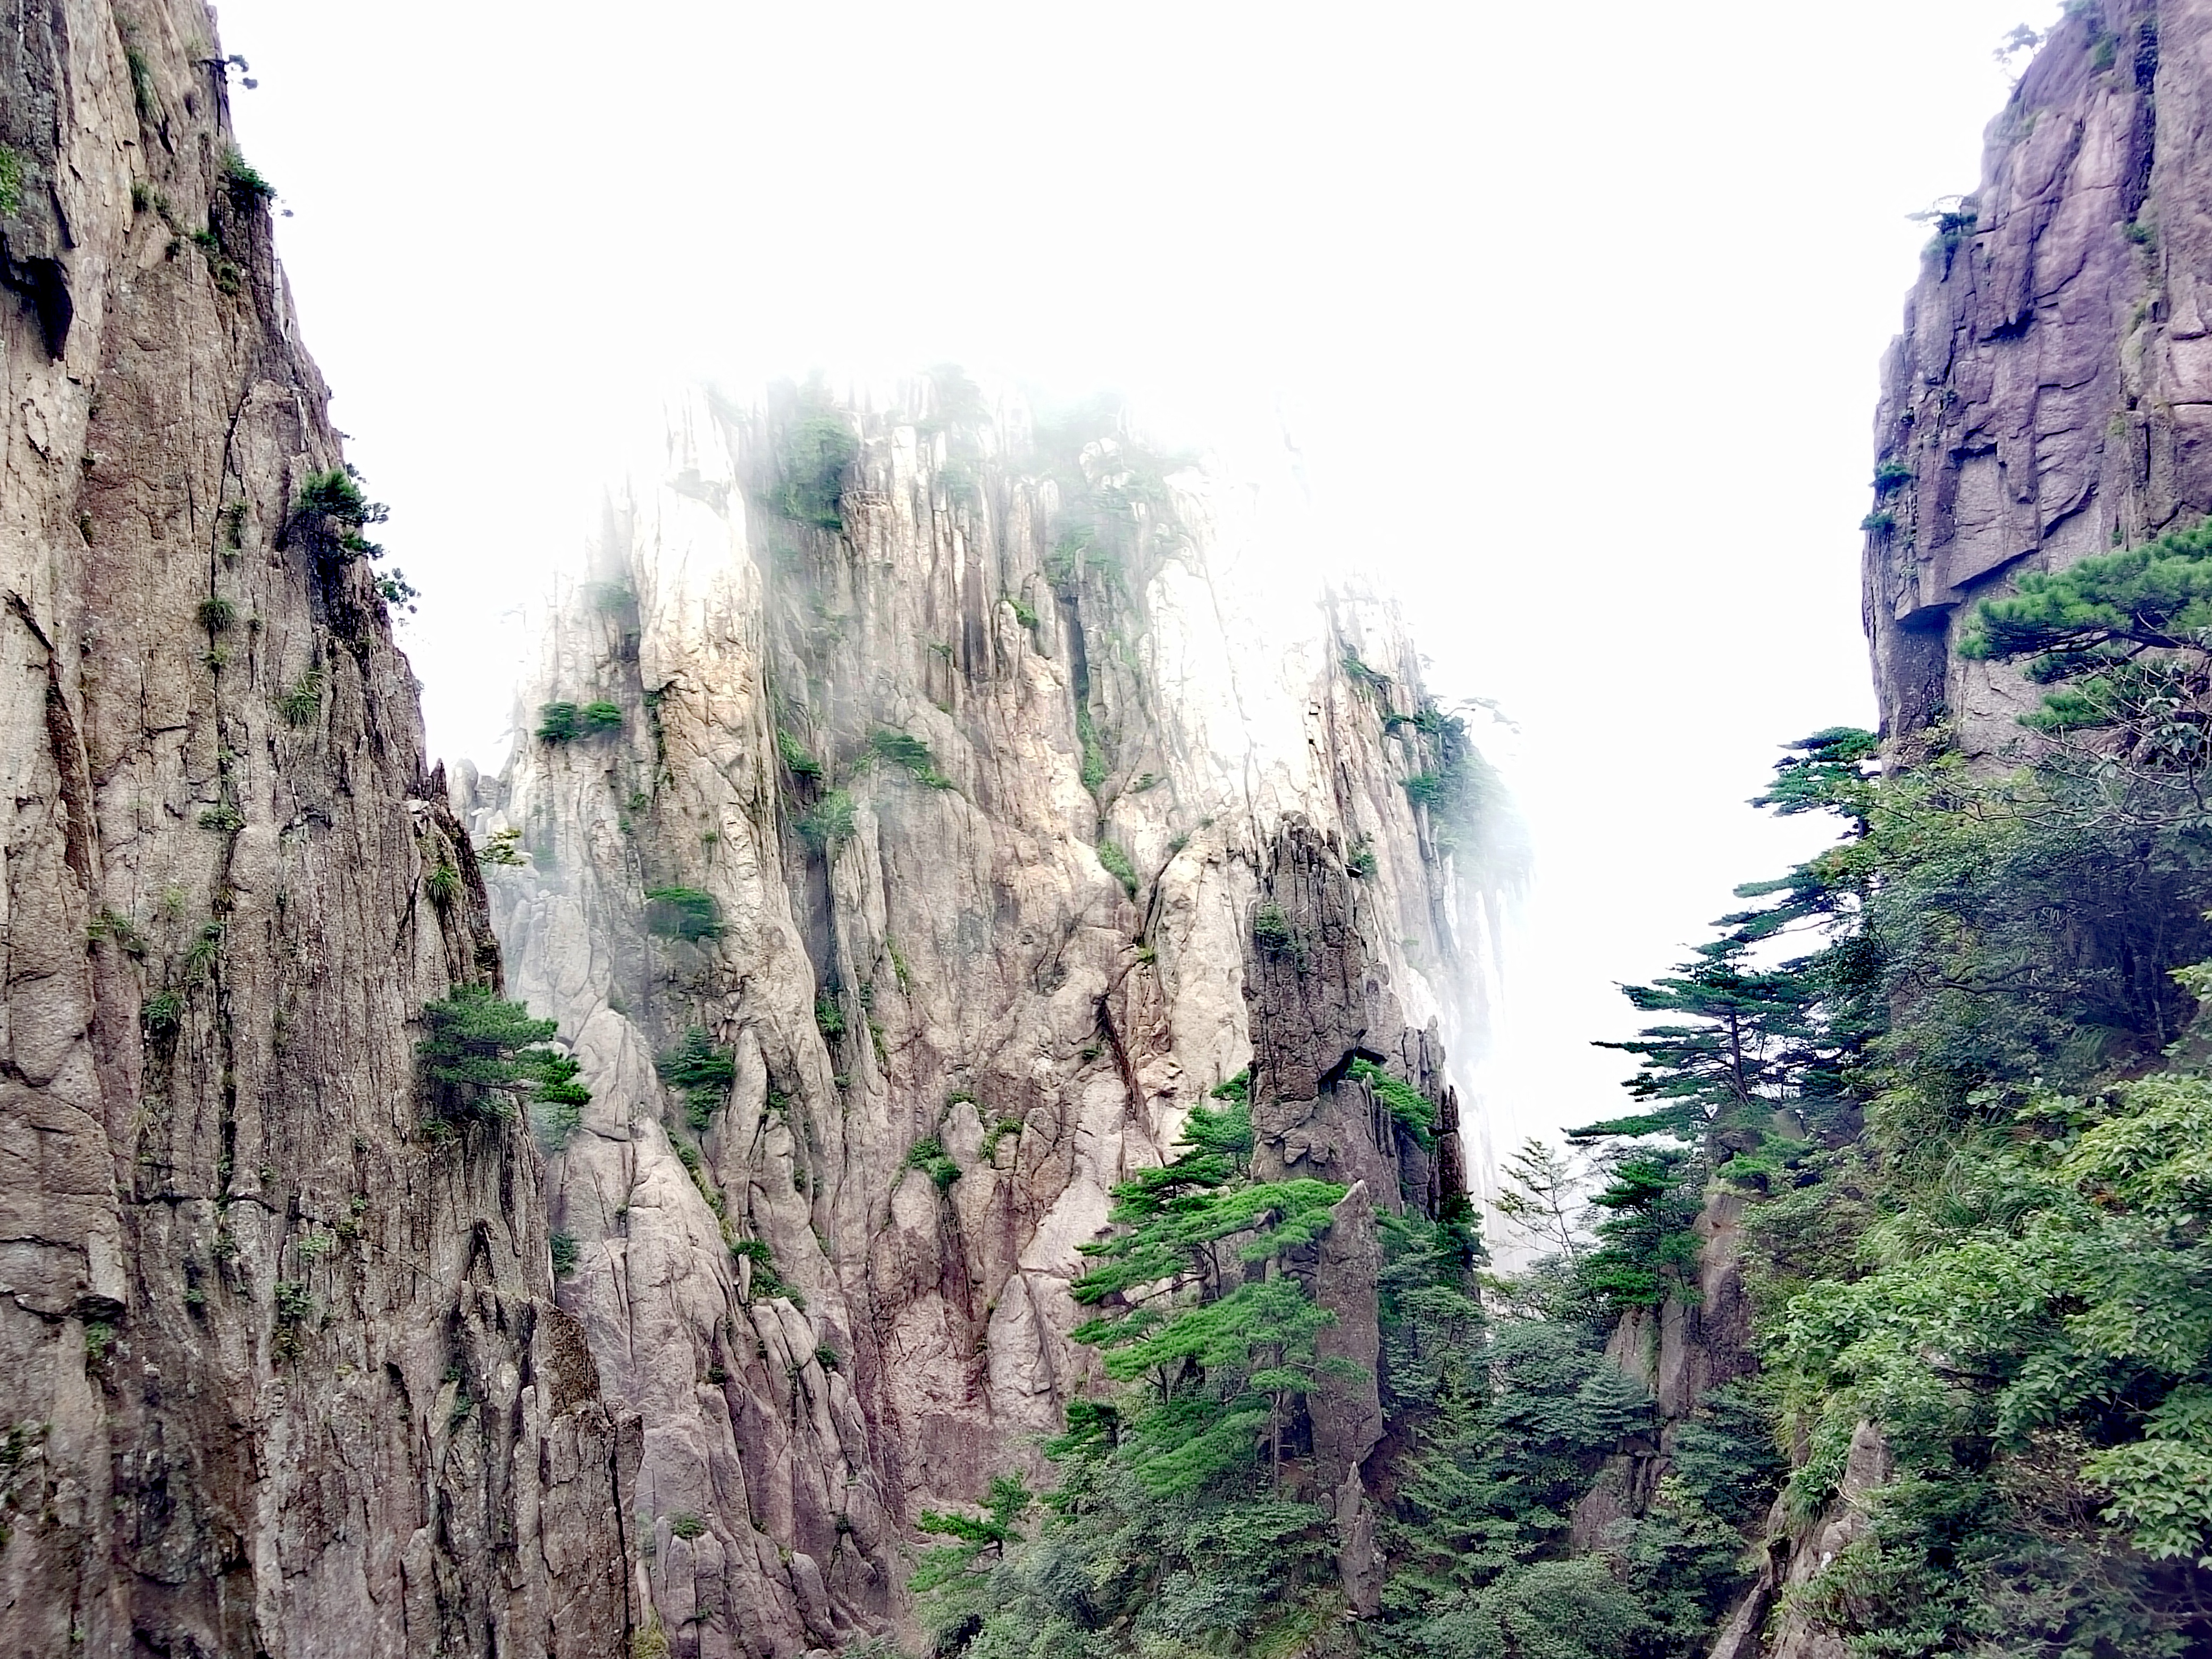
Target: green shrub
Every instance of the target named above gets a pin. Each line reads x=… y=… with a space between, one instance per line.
x=442 y=882
x=1363 y=676
x=930 y=1157
x=332 y=510
x=1412 y=1111
x=1115 y=859
x=1359 y=862
x=766 y=1280
x=683 y=913
x=829 y=825
x=702 y=1072
x=504 y=848
x=1891 y=476
x=1430 y=789
x=557 y=722
x=143 y=93
x=299 y=705
x=217 y=615
x=483 y=1060
x=829 y=1017
x=796 y=760
x=224 y=819
x=826 y=1357
x=686 y=1526
x=1023 y=613
x=164 y=1012
x=1270 y=929
x=248 y=189
x=565 y=1254
x=1879 y=522
x=814 y=454
x=901 y=749
x=395 y=590
x=598 y=717
x=11 y=182
x=295 y=1301
x=1094 y=768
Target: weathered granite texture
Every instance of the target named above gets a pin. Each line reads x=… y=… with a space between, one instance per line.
x=953 y=1028
x=276 y=1376
x=2050 y=396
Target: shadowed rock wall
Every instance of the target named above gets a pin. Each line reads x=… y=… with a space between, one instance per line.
x=2050 y=396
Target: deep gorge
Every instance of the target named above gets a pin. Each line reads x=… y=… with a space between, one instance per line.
x=927 y=1107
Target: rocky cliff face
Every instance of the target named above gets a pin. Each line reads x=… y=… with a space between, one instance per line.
x=2050 y=396
x=2049 y=399
x=949 y=805
x=278 y=1376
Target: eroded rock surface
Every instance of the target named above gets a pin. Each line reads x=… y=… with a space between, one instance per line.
x=277 y=1375
x=2050 y=396
x=998 y=813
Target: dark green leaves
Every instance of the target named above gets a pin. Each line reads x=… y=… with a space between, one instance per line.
x=684 y=913
x=1411 y=1110
x=483 y=1058
x=815 y=451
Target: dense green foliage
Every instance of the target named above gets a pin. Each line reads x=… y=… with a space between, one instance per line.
x=812 y=455
x=1972 y=1118
x=702 y=1072
x=685 y=913
x=330 y=512
x=1182 y=1521
x=486 y=1059
x=248 y=189
x=563 y=722
x=1115 y=858
x=828 y=825
x=901 y=749
x=796 y=759
x=929 y=1156
x=1411 y=1110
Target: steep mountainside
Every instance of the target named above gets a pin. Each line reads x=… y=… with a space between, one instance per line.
x=2050 y=396
x=1993 y=1454
x=279 y=1375
x=948 y=806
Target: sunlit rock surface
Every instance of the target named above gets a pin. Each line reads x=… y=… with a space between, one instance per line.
x=953 y=969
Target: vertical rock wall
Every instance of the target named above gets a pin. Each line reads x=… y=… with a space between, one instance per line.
x=891 y=759
x=276 y=1376
x=2050 y=396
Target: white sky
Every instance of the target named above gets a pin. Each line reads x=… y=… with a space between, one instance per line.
x=1575 y=311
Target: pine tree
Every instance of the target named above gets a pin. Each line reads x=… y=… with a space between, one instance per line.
x=485 y=1060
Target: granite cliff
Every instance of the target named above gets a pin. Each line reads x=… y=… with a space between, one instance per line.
x=2051 y=395
x=279 y=1374
x=919 y=809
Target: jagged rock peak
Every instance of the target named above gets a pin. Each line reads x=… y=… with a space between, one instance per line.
x=280 y=1374
x=918 y=806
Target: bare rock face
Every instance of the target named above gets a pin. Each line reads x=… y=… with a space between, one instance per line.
x=277 y=1375
x=2050 y=396
x=978 y=801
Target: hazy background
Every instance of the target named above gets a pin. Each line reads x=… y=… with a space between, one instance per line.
x=1575 y=313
